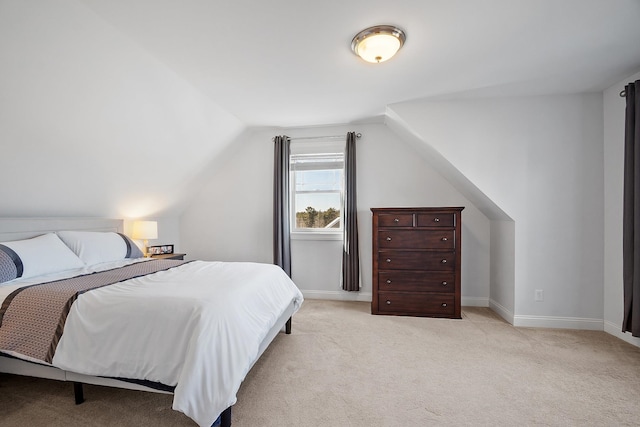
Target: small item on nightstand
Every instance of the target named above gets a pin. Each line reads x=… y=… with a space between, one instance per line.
x=160 y=250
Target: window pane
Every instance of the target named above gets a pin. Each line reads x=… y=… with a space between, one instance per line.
x=318 y=180
x=317 y=199
x=317 y=189
x=312 y=219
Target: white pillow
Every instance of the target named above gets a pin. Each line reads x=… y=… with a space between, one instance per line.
x=43 y=255
x=94 y=247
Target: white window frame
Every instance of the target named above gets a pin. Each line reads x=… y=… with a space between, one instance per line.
x=310 y=148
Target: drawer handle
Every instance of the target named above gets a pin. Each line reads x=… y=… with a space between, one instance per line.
x=444 y=239
x=444 y=283
x=388 y=259
x=389 y=281
x=388 y=302
x=444 y=304
x=436 y=219
x=444 y=261
x=396 y=220
x=388 y=239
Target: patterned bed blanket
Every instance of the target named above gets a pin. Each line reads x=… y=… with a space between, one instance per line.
x=32 y=318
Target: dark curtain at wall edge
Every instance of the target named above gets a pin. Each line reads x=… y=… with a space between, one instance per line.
x=350 y=254
x=281 y=225
x=631 y=213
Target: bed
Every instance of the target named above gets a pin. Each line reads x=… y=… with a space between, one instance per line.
x=190 y=328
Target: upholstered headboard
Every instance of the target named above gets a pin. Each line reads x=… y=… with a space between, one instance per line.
x=23 y=228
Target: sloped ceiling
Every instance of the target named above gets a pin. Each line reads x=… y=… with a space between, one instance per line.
x=289 y=63
x=116 y=108
x=91 y=124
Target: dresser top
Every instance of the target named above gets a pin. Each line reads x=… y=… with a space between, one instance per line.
x=423 y=209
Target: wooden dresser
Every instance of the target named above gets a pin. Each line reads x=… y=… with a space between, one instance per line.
x=416 y=261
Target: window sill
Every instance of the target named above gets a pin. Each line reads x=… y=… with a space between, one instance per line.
x=316 y=236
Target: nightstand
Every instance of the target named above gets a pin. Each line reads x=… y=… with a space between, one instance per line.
x=169 y=256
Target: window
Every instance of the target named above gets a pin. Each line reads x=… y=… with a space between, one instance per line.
x=317 y=183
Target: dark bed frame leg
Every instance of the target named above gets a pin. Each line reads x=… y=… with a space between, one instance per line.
x=225 y=418
x=287 y=328
x=78 y=393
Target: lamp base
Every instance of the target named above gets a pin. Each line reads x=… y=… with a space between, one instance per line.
x=145 y=245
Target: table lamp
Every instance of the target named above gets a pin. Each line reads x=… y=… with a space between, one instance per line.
x=145 y=230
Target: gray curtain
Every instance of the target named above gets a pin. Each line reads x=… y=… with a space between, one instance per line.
x=631 y=213
x=281 y=226
x=350 y=253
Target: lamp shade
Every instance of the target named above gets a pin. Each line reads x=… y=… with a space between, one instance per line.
x=379 y=43
x=145 y=230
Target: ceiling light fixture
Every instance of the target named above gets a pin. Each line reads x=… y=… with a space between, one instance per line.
x=378 y=43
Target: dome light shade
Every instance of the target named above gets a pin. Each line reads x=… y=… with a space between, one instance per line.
x=379 y=43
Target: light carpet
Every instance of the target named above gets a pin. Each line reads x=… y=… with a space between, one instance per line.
x=341 y=366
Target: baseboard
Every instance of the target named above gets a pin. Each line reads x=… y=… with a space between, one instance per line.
x=474 y=302
x=337 y=295
x=546 y=321
x=616 y=331
x=366 y=296
x=558 y=322
x=515 y=320
x=501 y=311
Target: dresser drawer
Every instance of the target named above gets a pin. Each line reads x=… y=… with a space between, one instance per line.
x=417 y=239
x=435 y=219
x=416 y=281
x=415 y=303
x=395 y=220
x=416 y=260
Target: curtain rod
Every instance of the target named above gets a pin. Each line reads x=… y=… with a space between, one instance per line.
x=623 y=93
x=358 y=135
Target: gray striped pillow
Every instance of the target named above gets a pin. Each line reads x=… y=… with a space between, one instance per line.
x=10 y=264
x=133 y=251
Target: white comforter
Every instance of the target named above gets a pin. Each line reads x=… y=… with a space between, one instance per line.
x=197 y=327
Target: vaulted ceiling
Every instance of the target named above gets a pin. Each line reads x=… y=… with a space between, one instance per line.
x=288 y=62
x=118 y=107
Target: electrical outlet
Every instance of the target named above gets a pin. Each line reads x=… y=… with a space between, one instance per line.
x=538 y=295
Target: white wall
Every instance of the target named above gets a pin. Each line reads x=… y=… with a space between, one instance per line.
x=231 y=217
x=502 y=272
x=540 y=160
x=502 y=237
x=614 y=124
